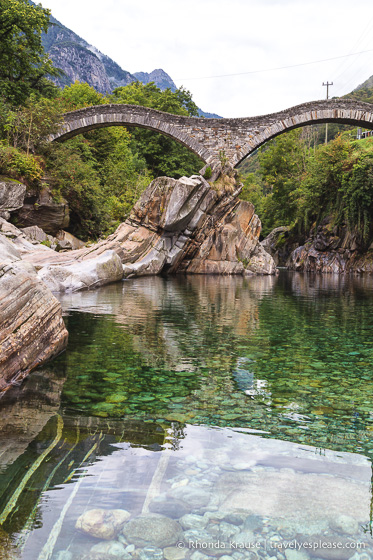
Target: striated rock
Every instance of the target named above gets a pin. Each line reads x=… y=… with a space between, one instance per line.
x=279 y=244
x=101 y=523
x=260 y=262
x=8 y=251
x=12 y=194
x=23 y=243
x=91 y=273
x=231 y=246
x=177 y=226
x=331 y=249
x=153 y=530
x=31 y=325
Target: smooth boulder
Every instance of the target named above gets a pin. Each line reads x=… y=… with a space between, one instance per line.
x=101 y=523
x=83 y=275
x=153 y=530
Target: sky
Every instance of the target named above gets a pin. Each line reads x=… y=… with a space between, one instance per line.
x=228 y=54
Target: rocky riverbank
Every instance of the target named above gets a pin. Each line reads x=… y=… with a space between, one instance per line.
x=177 y=226
x=31 y=325
x=327 y=249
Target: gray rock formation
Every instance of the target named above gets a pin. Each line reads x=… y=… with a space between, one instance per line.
x=177 y=226
x=39 y=209
x=91 y=273
x=332 y=249
x=12 y=194
x=31 y=325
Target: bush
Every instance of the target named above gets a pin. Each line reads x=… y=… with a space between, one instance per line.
x=18 y=165
x=208 y=173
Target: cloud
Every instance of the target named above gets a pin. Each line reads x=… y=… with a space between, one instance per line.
x=194 y=40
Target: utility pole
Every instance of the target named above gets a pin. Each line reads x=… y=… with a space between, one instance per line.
x=327 y=97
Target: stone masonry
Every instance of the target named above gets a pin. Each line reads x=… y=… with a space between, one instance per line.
x=210 y=139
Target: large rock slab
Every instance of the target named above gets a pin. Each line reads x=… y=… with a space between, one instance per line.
x=92 y=273
x=294 y=497
x=177 y=226
x=31 y=326
x=12 y=194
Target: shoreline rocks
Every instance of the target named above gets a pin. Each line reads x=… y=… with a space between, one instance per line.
x=328 y=249
x=177 y=226
x=31 y=326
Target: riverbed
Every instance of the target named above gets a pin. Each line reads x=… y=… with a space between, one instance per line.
x=237 y=412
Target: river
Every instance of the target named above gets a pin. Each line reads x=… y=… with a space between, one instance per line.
x=237 y=412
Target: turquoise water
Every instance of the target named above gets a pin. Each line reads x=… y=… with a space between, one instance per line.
x=246 y=403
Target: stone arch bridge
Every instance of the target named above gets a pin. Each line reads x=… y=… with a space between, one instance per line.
x=210 y=138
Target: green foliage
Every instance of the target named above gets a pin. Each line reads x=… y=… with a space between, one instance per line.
x=282 y=166
x=19 y=165
x=100 y=178
x=297 y=184
x=208 y=173
x=71 y=166
x=23 y=64
x=253 y=192
x=124 y=176
x=28 y=126
x=78 y=95
x=163 y=155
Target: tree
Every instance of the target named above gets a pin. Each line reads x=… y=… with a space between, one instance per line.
x=282 y=166
x=162 y=155
x=24 y=66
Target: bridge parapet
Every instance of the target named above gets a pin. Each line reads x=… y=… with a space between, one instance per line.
x=211 y=139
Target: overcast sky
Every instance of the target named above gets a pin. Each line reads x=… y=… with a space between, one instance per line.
x=196 y=40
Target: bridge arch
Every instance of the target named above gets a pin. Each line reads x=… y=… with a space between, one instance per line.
x=100 y=116
x=210 y=138
x=318 y=112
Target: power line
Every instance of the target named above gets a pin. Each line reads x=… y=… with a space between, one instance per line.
x=327 y=84
x=273 y=69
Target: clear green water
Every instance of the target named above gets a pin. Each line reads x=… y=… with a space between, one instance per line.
x=256 y=392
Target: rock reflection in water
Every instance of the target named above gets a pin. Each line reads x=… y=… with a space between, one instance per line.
x=282 y=365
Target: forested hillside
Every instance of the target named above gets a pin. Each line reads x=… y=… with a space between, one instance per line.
x=100 y=174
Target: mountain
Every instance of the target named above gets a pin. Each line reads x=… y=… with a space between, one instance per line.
x=84 y=62
x=81 y=61
x=159 y=77
x=364 y=92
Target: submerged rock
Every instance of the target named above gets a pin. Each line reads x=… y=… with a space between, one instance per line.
x=111 y=548
x=170 y=507
x=151 y=553
x=153 y=530
x=101 y=523
x=192 y=496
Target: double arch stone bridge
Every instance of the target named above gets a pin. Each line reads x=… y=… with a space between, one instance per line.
x=210 y=138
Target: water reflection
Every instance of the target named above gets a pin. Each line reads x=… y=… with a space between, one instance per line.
x=232 y=407
x=290 y=355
